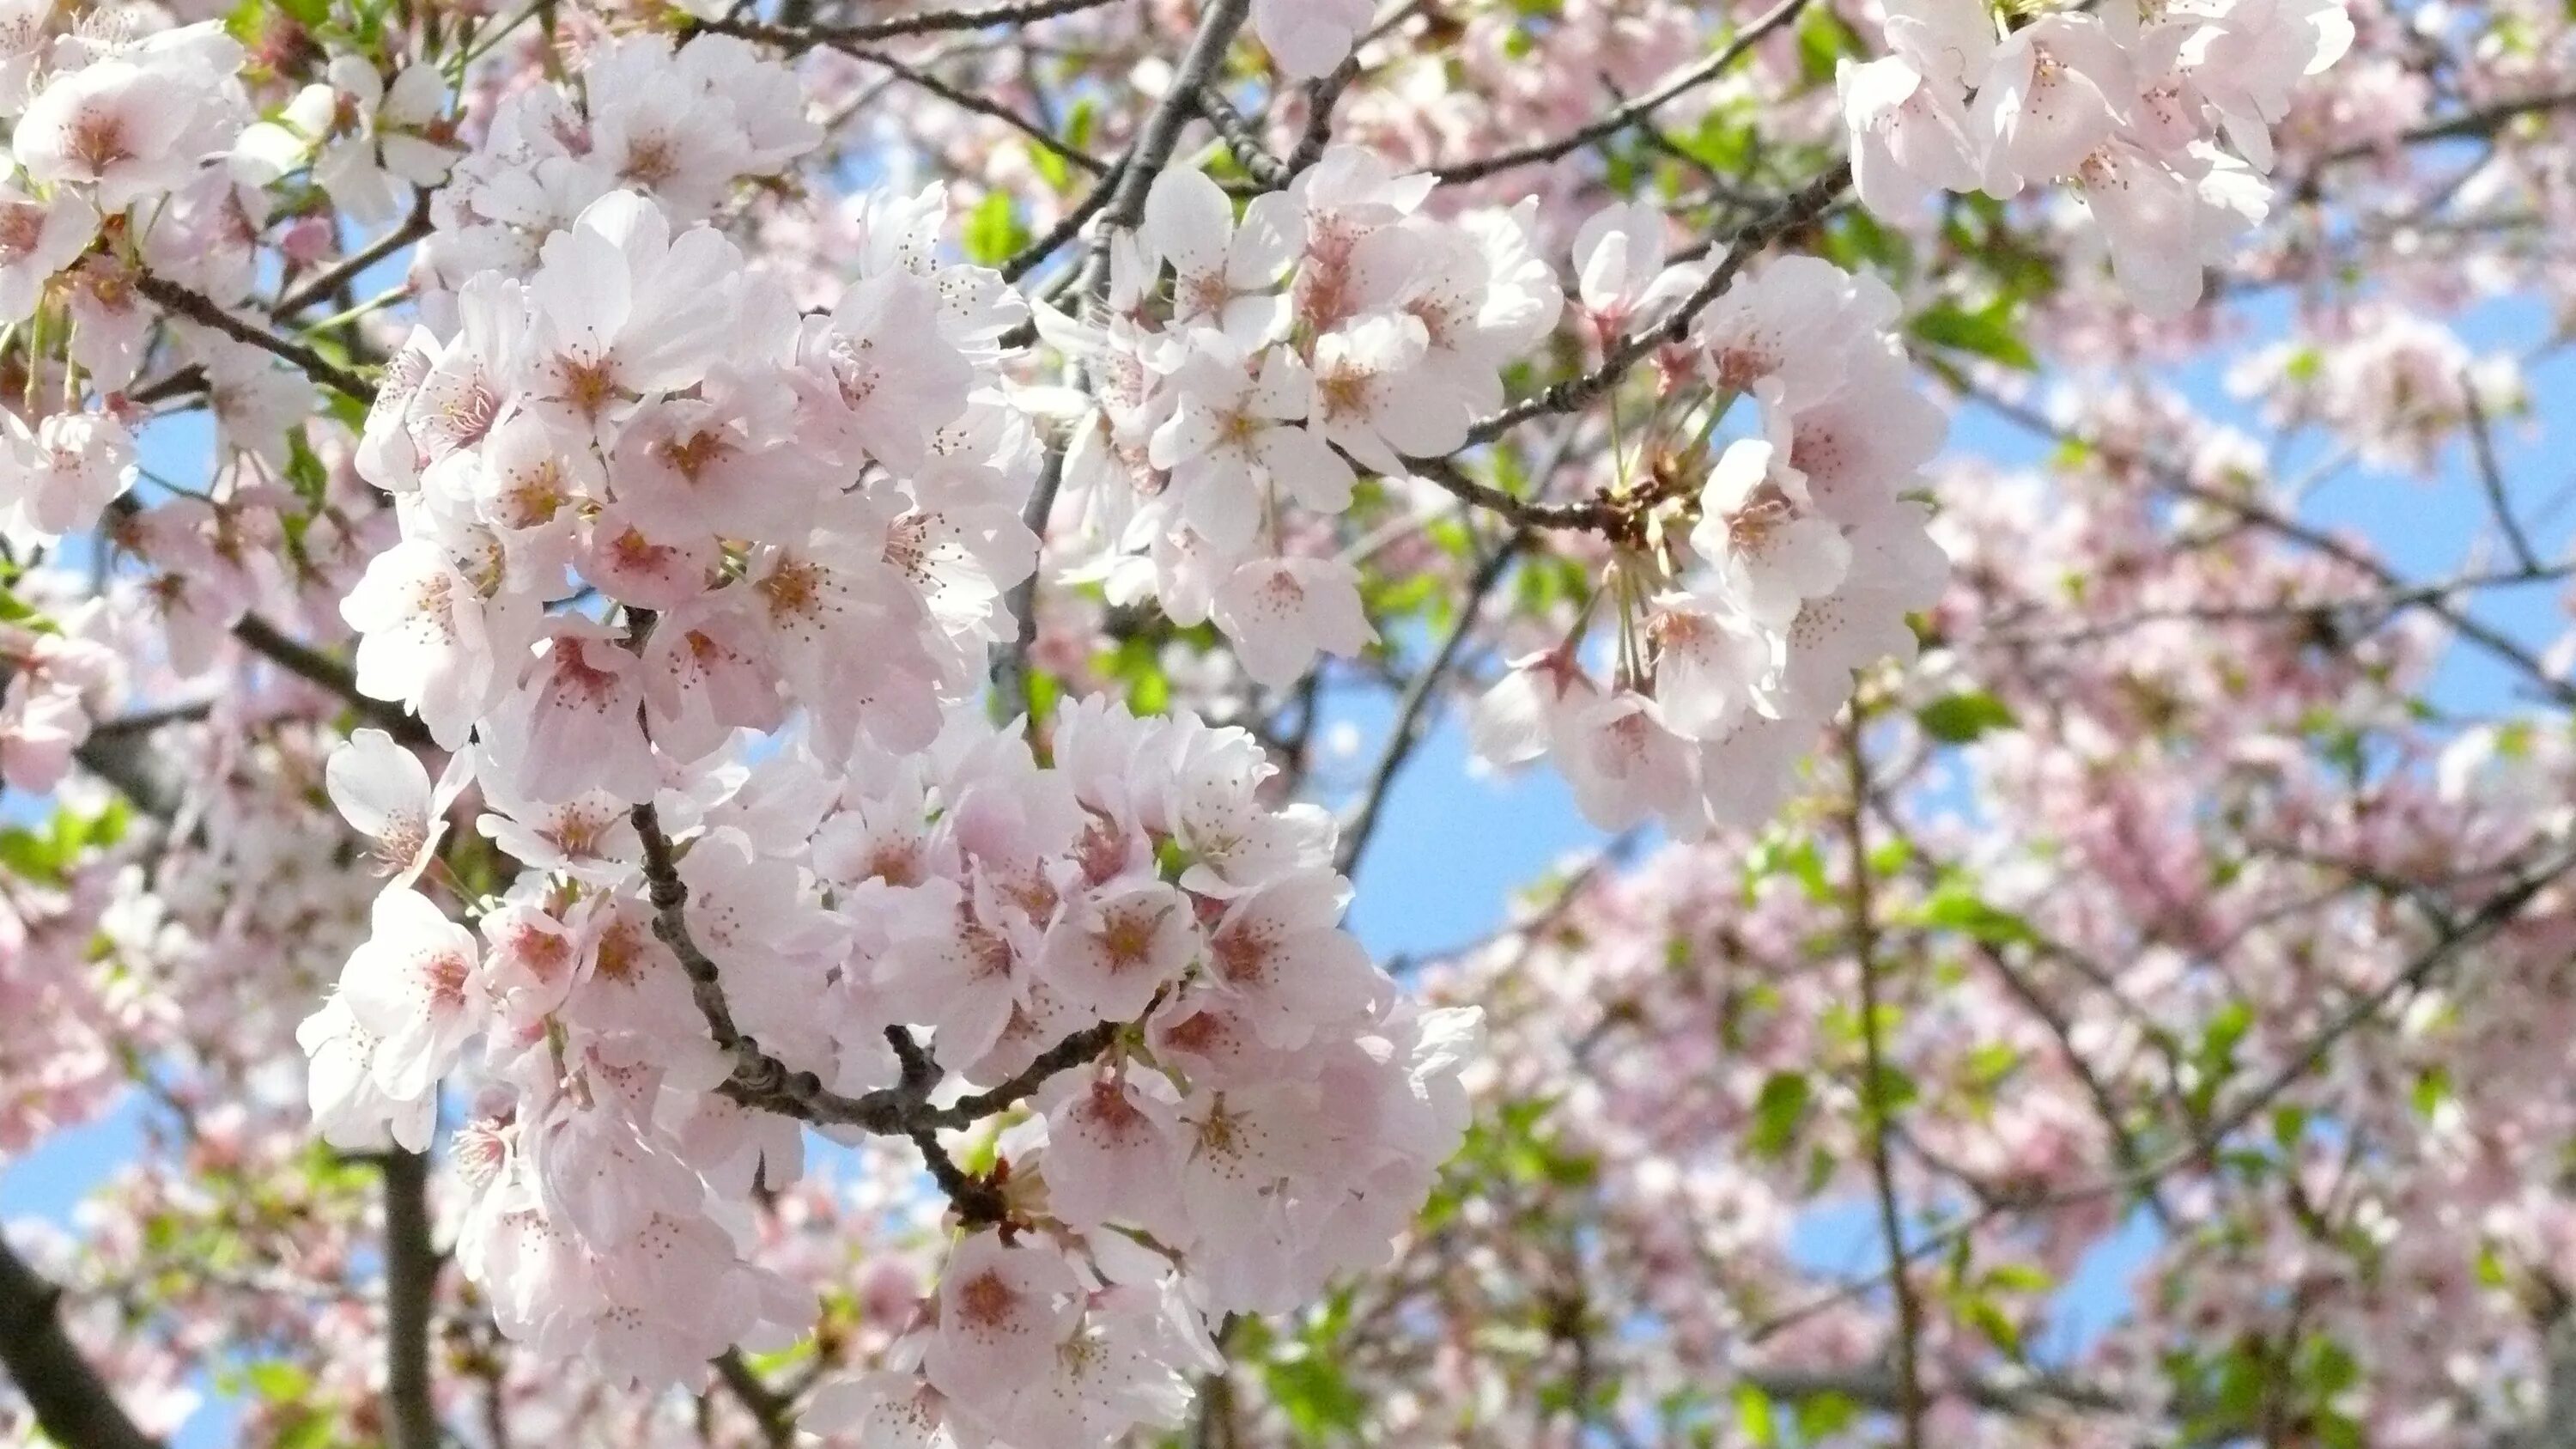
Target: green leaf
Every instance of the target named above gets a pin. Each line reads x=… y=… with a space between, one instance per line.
x=1960 y=718
x=305 y=471
x=993 y=230
x=1823 y=40
x=279 y=1383
x=1052 y=167
x=1887 y=1091
x=1989 y=333
x=1753 y=1417
x=31 y=856
x=1956 y=906
x=2432 y=1089
x=1821 y=1416
x=1990 y=1320
x=1311 y=1390
x=15 y=610
x=1777 y=1112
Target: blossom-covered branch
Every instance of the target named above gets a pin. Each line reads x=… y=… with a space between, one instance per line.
x=72 y=1404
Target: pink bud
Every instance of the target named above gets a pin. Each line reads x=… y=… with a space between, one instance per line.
x=308 y=241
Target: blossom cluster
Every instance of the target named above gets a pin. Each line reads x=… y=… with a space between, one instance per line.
x=1335 y=322
x=1274 y=1117
x=1265 y=1111
x=683 y=125
x=110 y=147
x=2160 y=114
x=683 y=568
x=815 y=507
x=1758 y=580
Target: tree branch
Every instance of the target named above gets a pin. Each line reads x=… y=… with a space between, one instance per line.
x=1162 y=129
x=1125 y=207
x=980 y=105
x=411 y=1292
x=1877 y=1388
x=773 y=1411
x=1028 y=258
x=2491 y=477
x=1599 y=514
x=200 y=309
x=1322 y=94
x=761 y=1081
x=315 y=667
x=1799 y=208
x=928 y=22
x=1406 y=732
x=2249 y=510
x=1874 y=1103
x=1687 y=79
x=1268 y=170
x=72 y=1404
x=330 y=279
x=2468 y=125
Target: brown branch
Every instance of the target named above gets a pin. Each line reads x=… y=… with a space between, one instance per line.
x=72 y=1404
x=1798 y=209
x=332 y=278
x=928 y=22
x=2468 y=125
x=1322 y=94
x=1687 y=79
x=411 y=1292
x=1595 y=515
x=1028 y=258
x=761 y=1081
x=1271 y=172
x=1122 y=211
x=1600 y=514
x=2248 y=510
x=1406 y=732
x=773 y=1411
x=980 y=105
x=1163 y=127
x=1874 y=1105
x=318 y=668
x=1876 y=1388
x=2491 y=477
x=200 y=309
x=1073 y=1051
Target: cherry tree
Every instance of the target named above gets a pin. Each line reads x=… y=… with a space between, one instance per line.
x=678 y=695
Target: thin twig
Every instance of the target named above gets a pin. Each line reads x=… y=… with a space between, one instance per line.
x=2491 y=476
x=1029 y=258
x=200 y=309
x=1874 y=1105
x=1123 y=210
x=928 y=22
x=980 y=105
x=1687 y=79
x=2483 y=121
x=2175 y=479
x=331 y=279
x=1406 y=733
x=1799 y=208
x=761 y=1081
x=1162 y=129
